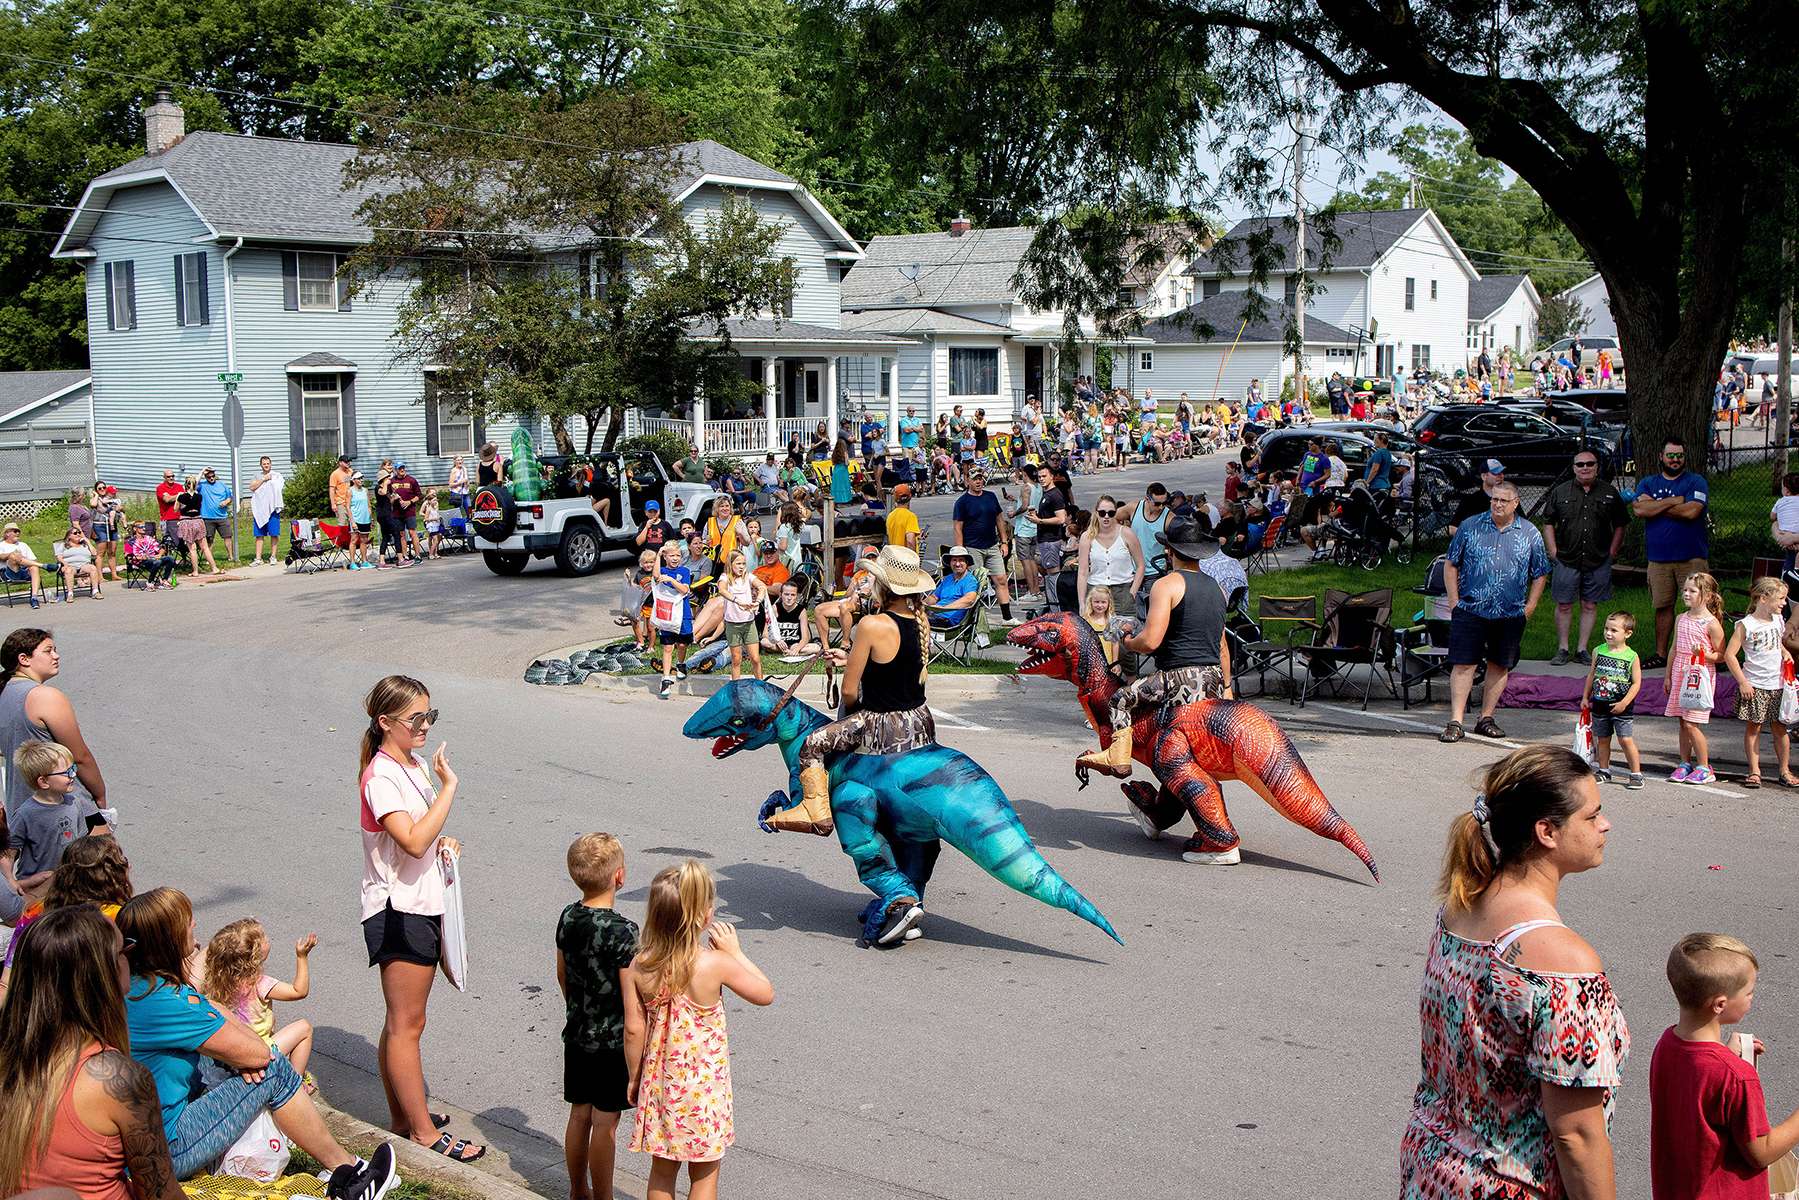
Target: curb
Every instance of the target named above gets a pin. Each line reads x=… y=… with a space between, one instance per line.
x=418 y=1163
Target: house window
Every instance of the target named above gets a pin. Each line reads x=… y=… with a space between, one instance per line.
x=190 y=289
x=318 y=282
x=321 y=412
x=1473 y=334
x=886 y=379
x=1209 y=288
x=1433 y=289
x=1518 y=338
x=973 y=372
x=1174 y=292
x=1420 y=358
x=1411 y=293
x=784 y=309
x=1291 y=296
x=121 y=295
x=455 y=426
x=1146 y=360
x=1127 y=297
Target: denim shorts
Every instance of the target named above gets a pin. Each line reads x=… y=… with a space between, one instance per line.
x=1606 y=724
x=218 y=1117
x=15 y=574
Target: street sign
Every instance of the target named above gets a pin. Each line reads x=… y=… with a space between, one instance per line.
x=231 y=376
x=232 y=419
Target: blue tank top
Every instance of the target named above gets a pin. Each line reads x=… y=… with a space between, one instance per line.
x=1154 y=557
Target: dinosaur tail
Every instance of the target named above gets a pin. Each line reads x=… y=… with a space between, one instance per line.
x=1003 y=849
x=1266 y=760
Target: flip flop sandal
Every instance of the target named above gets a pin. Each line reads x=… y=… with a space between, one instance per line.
x=1789 y=781
x=452 y=1148
x=1752 y=781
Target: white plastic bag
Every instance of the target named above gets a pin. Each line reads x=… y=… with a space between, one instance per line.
x=1583 y=736
x=1696 y=689
x=1789 y=697
x=454 y=942
x=667 y=608
x=261 y=1154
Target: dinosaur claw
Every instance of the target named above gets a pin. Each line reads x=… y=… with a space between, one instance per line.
x=776 y=800
x=1084 y=775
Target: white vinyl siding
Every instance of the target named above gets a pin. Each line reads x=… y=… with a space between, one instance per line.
x=318 y=282
x=973 y=372
x=321 y=405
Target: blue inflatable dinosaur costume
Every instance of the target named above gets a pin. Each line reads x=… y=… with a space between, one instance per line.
x=891 y=810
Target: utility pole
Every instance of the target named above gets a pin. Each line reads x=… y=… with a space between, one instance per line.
x=1299 y=243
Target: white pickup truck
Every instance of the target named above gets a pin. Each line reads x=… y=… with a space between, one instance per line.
x=566 y=522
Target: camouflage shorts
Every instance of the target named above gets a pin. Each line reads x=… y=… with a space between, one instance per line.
x=867 y=732
x=1182 y=685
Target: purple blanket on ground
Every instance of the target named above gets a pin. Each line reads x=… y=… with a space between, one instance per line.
x=1563 y=692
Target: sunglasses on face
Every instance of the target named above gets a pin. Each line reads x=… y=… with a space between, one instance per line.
x=1673 y=457
x=1107 y=512
x=418 y=721
x=67 y=772
x=127 y=945
x=1585 y=466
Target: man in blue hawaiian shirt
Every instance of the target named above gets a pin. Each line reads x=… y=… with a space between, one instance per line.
x=1495 y=575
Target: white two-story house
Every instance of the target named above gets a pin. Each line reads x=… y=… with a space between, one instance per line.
x=216 y=253
x=1395 y=281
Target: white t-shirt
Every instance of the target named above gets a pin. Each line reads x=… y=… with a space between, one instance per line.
x=1761 y=651
x=19 y=548
x=389 y=874
x=1339 y=475
x=1786 y=514
x=265 y=501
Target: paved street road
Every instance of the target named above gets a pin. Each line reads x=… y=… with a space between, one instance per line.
x=1256 y=1035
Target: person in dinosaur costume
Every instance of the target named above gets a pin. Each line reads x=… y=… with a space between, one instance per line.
x=1192 y=747
x=891 y=812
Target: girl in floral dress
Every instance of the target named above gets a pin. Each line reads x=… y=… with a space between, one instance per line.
x=1523 y=1040
x=680 y=1064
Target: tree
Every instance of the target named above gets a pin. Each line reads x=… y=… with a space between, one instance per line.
x=560 y=281
x=1562 y=316
x=1628 y=118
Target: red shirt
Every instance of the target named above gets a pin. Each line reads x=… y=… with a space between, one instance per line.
x=165 y=501
x=1704 y=1101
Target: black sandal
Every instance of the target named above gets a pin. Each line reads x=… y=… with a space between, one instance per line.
x=439 y=1120
x=452 y=1148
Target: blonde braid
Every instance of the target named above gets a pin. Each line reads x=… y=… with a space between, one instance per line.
x=924 y=638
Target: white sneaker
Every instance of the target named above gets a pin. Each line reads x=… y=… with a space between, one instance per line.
x=1209 y=858
x=1143 y=822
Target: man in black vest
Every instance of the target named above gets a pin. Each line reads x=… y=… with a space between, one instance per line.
x=1185 y=634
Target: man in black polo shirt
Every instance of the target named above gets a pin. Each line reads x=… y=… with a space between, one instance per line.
x=1583 y=526
x=979 y=528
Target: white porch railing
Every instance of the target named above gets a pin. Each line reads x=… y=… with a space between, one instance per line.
x=680 y=425
x=740 y=436
x=787 y=428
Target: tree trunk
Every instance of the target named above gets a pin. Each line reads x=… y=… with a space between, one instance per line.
x=1670 y=372
x=612 y=430
x=559 y=429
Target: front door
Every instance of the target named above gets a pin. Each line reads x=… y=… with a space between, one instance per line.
x=815 y=390
x=1033 y=371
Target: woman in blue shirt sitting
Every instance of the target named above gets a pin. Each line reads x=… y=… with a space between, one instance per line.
x=174 y=1027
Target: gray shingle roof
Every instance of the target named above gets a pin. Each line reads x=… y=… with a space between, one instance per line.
x=278 y=189
x=1147 y=255
x=746 y=329
x=975 y=268
x=1223 y=313
x=1362 y=237
x=1487 y=293
x=20 y=388
x=320 y=360
x=917 y=320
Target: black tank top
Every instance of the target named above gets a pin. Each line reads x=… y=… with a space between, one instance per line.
x=1195 y=627
x=894 y=686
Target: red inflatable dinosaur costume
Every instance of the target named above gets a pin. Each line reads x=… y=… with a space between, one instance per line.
x=1191 y=752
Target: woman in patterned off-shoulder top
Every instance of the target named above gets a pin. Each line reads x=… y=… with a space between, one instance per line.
x=1523 y=1040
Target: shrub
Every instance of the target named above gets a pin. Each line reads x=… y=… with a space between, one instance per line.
x=665 y=444
x=308 y=490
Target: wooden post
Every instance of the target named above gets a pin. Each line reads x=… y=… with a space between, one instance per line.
x=830 y=545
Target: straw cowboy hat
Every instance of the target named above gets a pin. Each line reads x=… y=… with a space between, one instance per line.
x=898 y=571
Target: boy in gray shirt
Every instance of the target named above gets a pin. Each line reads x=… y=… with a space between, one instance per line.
x=40 y=829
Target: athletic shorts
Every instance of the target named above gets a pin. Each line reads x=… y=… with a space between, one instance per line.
x=1666 y=579
x=1591 y=585
x=596 y=1077
x=740 y=633
x=268 y=528
x=1475 y=639
x=215 y=527
x=1049 y=554
x=395 y=936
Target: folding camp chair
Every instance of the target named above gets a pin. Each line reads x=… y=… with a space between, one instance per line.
x=1270 y=648
x=64 y=577
x=316 y=546
x=1354 y=632
x=958 y=642
x=1262 y=558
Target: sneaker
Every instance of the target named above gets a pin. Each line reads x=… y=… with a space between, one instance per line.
x=680 y=670
x=1635 y=782
x=1583 y=658
x=1681 y=774
x=361 y=1180
x=384 y=565
x=1602 y=774
x=900 y=917
x=668 y=685
x=1560 y=659
x=914 y=933
x=1702 y=775
x=1214 y=858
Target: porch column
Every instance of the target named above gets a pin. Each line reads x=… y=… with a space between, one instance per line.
x=768 y=402
x=893 y=404
x=1084 y=361
x=831 y=398
x=699 y=420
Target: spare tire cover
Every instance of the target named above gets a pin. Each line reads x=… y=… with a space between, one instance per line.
x=492 y=513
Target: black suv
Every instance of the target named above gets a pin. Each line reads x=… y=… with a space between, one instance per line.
x=1533 y=449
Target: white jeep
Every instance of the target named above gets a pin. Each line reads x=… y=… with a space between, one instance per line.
x=566 y=522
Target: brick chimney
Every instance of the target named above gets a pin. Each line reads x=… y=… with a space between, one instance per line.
x=960 y=226
x=164 y=122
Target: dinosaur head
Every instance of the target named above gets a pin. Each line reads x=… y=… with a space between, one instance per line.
x=1062 y=646
x=737 y=715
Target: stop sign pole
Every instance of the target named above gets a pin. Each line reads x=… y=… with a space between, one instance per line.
x=231 y=418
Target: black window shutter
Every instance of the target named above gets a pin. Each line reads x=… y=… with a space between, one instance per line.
x=479 y=434
x=180 y=292
x=131 y=295
x=431 y=443
x=290 y=281
x=200 y=266
x=343 y=284
x=109 y=317
x=349 y=414
x=296 y=420
x=584 y=261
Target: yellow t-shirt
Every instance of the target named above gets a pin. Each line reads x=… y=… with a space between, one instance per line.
x=900 y=522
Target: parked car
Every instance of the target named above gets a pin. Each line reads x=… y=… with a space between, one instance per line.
x=1439 y=473
x=1590 y=346
x=1533 y=449
x=1610 y=406
x=564 y=522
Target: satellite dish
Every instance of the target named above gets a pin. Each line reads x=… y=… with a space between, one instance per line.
x=910 y=271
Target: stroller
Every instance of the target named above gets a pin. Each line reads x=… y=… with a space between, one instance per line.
x=1363 y=529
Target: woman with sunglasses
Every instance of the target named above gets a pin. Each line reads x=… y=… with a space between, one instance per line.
x=403 y=848
x=1111 y=557
x=76 y=558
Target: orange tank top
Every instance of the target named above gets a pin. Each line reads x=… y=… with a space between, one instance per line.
x=77 y=1158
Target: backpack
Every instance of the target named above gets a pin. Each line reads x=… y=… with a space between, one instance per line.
x=1435 y=581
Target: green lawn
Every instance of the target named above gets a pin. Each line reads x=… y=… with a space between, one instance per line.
x=48 y=527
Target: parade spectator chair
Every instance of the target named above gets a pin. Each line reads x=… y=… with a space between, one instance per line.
x=55 y=569
x=137 y=571
x=1263 y=644
x=317 y=546
x=8 y=587
x=1353 y=632
x=959 y=642
x=1262 y=557
x=458 y=535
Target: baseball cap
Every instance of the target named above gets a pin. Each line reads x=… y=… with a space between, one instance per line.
x=653 y=506
x=902 y=491
x=344 y=458
x=400 y=465
x=1495 y=467
x=768 y=547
